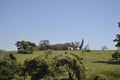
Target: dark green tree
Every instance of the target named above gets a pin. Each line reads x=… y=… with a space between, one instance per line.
x=7 y=70
x=37 y=68
x=25 y=47
x=73 y=64
x=117 y=40
x=12 y=57
x=116 y=55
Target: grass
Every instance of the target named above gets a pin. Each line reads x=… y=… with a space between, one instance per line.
x=96 y=61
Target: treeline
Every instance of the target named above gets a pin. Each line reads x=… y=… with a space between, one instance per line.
x=45 y=45
x=28 y=47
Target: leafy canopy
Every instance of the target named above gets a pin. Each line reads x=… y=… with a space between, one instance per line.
x=73 y=64
x=25 y=47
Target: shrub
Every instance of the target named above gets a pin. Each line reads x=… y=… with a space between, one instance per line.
x=37 y=68
x=116 y=55
x=7 y=70
x=12 y=57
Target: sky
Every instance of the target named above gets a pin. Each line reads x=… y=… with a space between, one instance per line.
x=59 y=21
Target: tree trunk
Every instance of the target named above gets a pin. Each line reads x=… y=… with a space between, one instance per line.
x=70 y=76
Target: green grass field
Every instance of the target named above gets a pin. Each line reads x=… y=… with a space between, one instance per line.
x=96 y=61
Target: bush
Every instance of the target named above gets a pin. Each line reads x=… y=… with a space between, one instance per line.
x=12 y=57
x=37 y=68
x=116 y=55
x=7 y=70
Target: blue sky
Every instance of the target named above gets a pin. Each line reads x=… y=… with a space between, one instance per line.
x=59 y=21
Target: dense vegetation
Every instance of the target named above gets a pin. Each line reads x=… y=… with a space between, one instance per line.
x=44 y=65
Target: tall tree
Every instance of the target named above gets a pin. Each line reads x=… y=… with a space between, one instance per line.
x=25 y=47
x=117 y=38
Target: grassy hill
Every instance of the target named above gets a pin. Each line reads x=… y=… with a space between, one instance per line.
x=97 y=62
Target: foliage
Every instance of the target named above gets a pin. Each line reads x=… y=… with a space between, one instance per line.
x=44 y=45
x=12 y=57
x=96 y=61
x=72 y=64
x=37 y=68
x=117 y=38
x=116 y=55
x=25 y=47
x=7 y=70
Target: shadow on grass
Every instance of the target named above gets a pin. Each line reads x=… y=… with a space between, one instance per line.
x=113 y=62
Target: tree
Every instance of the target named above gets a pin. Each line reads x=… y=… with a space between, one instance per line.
x=25 y=47
x=116 y=55
x=37 y=68
x=117 y=38
x=73 y=64
x=104 y=48
x=7 y=69
x=44 y=44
